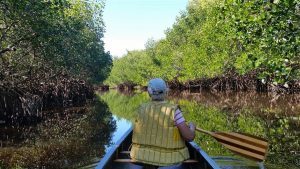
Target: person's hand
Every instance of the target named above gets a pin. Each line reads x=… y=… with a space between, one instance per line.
x=192 y=126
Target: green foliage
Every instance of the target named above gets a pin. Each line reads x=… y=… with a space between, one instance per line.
x=124 y=106
x=60 y=34
x=134 y=68
x=268 y=34
x=211 y=38
x=203 y=45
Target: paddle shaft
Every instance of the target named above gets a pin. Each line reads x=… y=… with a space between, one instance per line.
x=204 y=131
x=249 y=146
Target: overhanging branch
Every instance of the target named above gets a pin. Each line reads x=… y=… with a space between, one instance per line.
x=8 y=49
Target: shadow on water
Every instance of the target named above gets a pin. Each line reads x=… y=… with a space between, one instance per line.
x=274 y=117
x=68 y=138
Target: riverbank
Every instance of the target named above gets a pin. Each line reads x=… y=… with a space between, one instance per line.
x=226 y=82
x=66 y=138
x=24 y=103
x=236 y=82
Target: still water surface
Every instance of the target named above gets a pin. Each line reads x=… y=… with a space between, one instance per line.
x=270 y=116
x=79 y=137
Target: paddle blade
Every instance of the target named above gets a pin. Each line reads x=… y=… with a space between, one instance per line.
x=246 y=145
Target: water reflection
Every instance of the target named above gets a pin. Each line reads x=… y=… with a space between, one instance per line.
x=274 y=117
x=288 y=104
x=122 y=125
x=65 y=139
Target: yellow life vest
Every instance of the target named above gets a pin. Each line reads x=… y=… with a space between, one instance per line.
x=156 y=140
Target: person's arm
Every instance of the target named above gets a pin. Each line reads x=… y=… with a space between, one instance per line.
x=187 y=132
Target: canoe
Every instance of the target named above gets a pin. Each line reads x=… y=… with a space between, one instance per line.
x=117 y=157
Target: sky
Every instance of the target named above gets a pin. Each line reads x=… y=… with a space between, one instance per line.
x=130 y=23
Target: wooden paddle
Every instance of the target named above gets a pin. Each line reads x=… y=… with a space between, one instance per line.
x=246 y=145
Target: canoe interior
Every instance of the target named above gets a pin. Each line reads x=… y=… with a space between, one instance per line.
x=118 y=157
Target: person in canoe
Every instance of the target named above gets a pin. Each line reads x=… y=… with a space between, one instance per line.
x=160 y=131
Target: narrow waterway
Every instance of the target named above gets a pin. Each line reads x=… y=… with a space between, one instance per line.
x=78 y=137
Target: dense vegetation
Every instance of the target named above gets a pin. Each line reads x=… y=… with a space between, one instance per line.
x=49 y=52
x=256 y=39
x=39 y=38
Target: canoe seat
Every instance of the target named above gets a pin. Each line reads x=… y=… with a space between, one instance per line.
x=125 y=152
x=132 y=161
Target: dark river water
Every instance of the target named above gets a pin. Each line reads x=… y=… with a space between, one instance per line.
x=79 y=137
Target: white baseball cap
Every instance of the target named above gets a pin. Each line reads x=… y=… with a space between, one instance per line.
x=157 y=86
